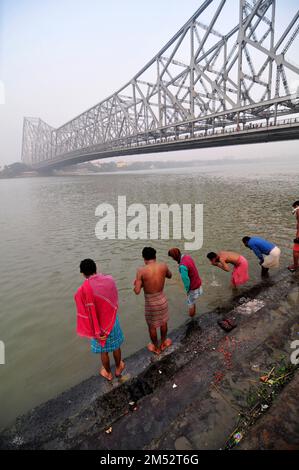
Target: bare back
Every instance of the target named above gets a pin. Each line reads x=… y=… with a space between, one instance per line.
x=152 y=278
x=229 y=257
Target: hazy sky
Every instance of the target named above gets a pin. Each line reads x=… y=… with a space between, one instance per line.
x=59 y=57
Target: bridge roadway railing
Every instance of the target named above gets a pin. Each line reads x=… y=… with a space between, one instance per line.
x=146 y=141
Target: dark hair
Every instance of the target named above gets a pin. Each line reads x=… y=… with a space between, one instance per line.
x=212 y=255
x=88 y=267
x=245 y=240
x=148 y=253
x=296 y=203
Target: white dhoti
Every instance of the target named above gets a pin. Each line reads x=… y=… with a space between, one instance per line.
x=272 y=259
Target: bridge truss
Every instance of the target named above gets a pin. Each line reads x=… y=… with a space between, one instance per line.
x=203 y=80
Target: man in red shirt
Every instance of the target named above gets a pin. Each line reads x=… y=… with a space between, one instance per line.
x=97 y=317
x=190 y=277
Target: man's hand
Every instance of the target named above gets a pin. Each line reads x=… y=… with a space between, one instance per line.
x=222 y=264
x=101 y=337
x=168 y=273
x=138 y=283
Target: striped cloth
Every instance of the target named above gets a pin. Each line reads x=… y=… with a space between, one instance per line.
x=156 y=309
x=114 y=340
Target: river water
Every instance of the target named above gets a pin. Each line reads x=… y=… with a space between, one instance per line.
x=48 y=226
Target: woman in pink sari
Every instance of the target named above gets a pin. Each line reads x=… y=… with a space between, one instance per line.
x=97 y=319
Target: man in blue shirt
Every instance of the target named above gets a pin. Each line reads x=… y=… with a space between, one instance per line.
x=267 y=252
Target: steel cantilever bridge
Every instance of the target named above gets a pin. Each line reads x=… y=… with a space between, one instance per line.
x=205 y=88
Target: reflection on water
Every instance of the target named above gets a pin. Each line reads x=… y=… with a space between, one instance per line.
x=47 y=227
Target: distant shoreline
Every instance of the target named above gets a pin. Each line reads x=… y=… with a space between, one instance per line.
x=19 y=170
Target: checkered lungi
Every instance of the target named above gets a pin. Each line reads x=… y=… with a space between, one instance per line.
x=114 y=340
x=156 y=309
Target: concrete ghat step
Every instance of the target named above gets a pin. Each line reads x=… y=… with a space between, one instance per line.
x=279 y=427
x=196 y=415
x=78 y=418
x=210 y=419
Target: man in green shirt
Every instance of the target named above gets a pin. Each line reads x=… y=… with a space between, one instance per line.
x=190 y=277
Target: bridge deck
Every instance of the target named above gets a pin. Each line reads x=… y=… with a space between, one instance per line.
x=282 y=132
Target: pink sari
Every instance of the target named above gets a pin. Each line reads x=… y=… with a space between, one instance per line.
x=97 y=305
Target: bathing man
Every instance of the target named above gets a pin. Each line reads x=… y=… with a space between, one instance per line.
x=267 y=252
x=240 y=265
x=295 y=266
x=97 y=318
x=190 y=278
x=151 y=278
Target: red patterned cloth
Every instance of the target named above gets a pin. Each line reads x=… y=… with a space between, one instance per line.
x=97 y=305
x=156 y=309
x=240 y=272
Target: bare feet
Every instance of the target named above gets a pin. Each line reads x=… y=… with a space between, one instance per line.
x=152 y=348
x=119 y=370
x=107 y=375
x=292 y=268
x=166 y=344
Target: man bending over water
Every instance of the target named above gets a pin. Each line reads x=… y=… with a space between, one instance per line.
x=97 y=318
x=267 y=253
x=151 y=278
x=190 y=277
x=240 y=265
